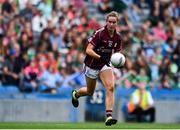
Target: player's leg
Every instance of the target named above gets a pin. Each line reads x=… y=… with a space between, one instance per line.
x=89 y=90
x=91 y=76
x=108 y=81
x=107 y=78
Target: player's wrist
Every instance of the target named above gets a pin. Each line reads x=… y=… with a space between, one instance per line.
x=99 y=57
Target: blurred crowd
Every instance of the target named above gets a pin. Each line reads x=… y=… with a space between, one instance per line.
x=42 y=42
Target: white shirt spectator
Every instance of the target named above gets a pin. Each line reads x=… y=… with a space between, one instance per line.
x=38 y=23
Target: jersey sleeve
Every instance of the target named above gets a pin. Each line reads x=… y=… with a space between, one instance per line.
x=94 y=39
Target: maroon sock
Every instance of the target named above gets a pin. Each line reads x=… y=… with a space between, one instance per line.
x=108 y=113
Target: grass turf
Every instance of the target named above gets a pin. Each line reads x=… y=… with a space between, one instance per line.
x=92 y=125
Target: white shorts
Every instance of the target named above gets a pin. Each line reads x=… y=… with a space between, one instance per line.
x=92 y=73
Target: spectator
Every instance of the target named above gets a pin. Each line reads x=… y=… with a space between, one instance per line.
x=166 y=82
x=142 y=76
x=141 y=61
x=1 y=69
x=27 y=28
x=46 y=7
x=125 y=23
x=159 y=32
x=128 y=78
x=155 y=63
x=93 y=25
x=167 y=47
x=27 y=11
x=50 y=60
x=7 y=7
x=12 y=67
x=167 y=74
x=142 y=103
x=30 y=77
x=78 y=3
x=177 y=29
x=24 y=42
x=50 y=80
x=148 y=45
x=105 y=6
x=39 y=23
x=44 y=44
x=176 y=57
x=56 y=40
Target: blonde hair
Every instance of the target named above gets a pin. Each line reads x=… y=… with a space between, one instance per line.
x=112 y=14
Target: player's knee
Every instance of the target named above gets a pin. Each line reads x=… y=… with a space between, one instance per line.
x=110 y=88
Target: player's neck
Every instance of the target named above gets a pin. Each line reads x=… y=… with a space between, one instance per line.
x=111 y=33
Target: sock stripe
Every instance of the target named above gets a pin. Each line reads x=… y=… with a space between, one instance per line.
x=108 y=110
x=108 y=113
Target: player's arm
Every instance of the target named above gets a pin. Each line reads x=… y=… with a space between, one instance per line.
x=91 y=52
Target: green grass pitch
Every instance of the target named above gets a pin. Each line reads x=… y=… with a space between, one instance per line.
x=92 y=125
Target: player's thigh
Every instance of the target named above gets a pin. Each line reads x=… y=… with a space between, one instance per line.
x=107 y=77
x=91 y=77
x=91 y=84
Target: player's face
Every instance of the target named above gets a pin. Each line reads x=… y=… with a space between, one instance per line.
x=111 y=23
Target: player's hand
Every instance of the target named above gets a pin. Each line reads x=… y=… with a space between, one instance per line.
x=105 y=60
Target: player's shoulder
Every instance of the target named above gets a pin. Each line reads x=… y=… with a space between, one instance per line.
x=100 y=30
x=118 y=33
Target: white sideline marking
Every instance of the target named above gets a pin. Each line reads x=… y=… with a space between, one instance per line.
x=96 y=129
